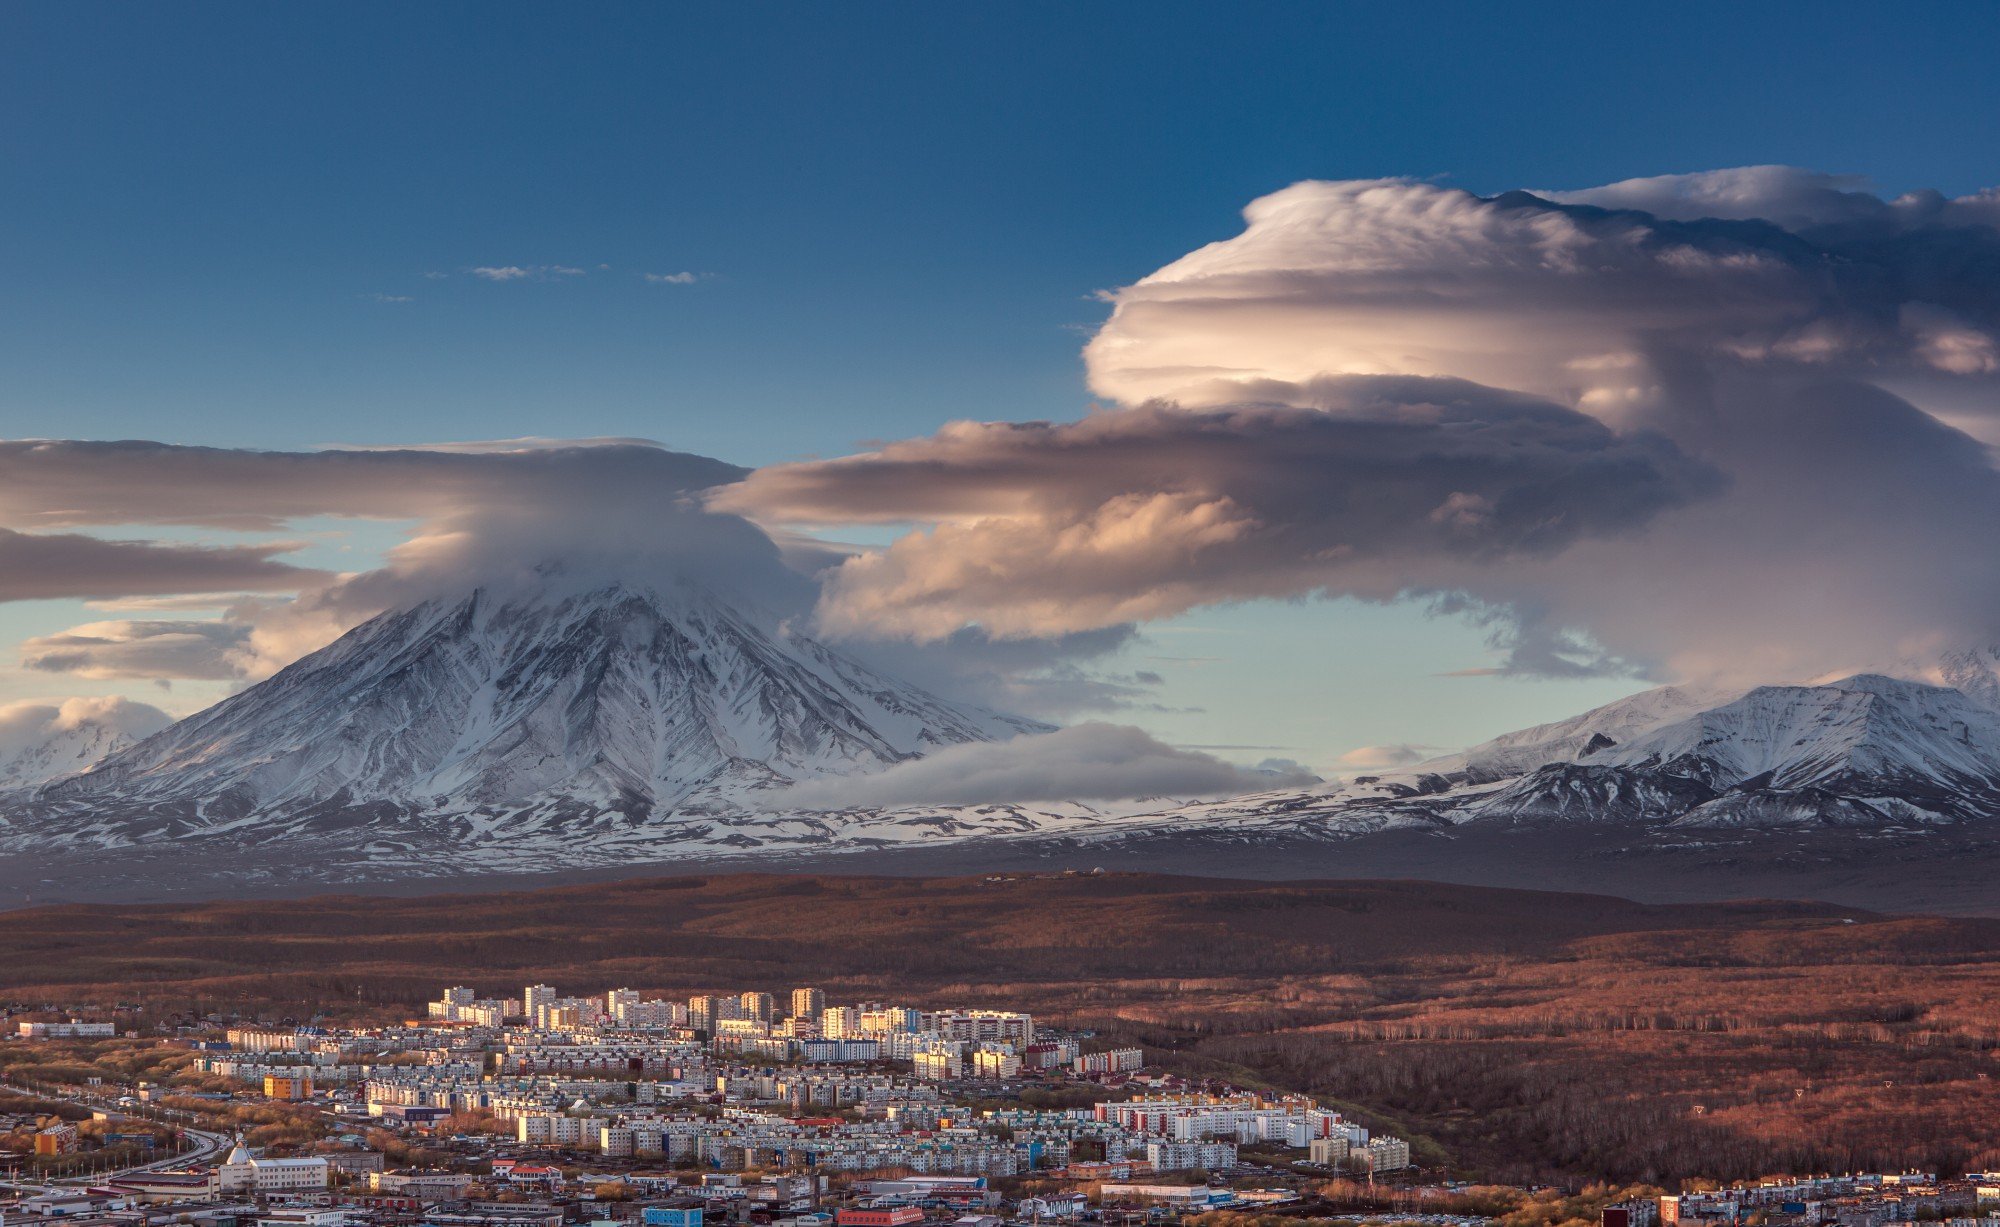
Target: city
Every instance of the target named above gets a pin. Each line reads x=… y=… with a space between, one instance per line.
x=543 y=1109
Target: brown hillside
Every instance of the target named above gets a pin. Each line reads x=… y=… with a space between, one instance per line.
x=1525 y=1032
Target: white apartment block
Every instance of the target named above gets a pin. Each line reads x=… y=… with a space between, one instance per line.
x=1186 y=1156
x=1388 y=1154
x=1293 y=1120
x=1116 y=1061
x=253 y=1039
x=996 y=1063
x=554 y=1129
x=67 y=1030
x=888 y=1019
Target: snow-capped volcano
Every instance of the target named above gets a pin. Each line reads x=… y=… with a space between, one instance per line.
x=619 y=699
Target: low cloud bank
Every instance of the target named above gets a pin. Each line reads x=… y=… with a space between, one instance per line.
x=1086 y=762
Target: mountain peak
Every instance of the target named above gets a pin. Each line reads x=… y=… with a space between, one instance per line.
x=571 y=698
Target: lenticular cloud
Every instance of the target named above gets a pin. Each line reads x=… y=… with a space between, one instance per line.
x=1045 y=528
x=1584 y=296
x=1706 y=426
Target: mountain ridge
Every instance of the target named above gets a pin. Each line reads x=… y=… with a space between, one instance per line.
x=590 y=727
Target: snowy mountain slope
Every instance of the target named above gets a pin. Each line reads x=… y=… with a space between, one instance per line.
x=618 y=700
x=1505 y=757
x=1865 y=751
x=1865 y=728
x=1572 y=740
x=40 y=742
x=525 y=732
x=1974 y=672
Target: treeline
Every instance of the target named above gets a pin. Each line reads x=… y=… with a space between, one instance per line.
x=1523 y=1111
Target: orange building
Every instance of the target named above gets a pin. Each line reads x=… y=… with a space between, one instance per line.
x=56 y=1140
x=288 y=1086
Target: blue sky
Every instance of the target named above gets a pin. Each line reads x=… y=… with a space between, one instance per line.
x=253 y=225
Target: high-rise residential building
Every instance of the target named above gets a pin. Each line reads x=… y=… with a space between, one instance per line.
x=705 y=1012
x=887 y=1019
x=840 y=1022
x=808 y=1003
x=534 y=997
x=761 y=1007
x=618 y=1003
x=983 y=1026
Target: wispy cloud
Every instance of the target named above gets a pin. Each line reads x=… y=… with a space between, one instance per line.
x=524 y=272
x=681 y=278
x=390 y=298
x=1376 y=758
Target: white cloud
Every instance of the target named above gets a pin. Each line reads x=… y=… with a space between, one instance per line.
x=1811 y=347
x=1584 y=297
x=42 y=740
x=680 y=278
x=27 y=725
x=524 y=272
x=1090 y=761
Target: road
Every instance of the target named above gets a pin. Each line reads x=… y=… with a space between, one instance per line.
x=206 y=1144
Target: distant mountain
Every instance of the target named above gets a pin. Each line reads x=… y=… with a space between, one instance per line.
x=1568 y=741
x=1865 y=751
x=40 y=742
x=544 y=713
x=507 y=732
